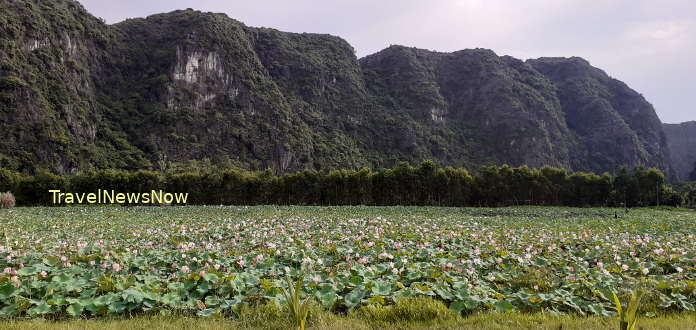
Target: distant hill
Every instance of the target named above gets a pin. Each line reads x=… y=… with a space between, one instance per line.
x=76 y=93
x=682 y=143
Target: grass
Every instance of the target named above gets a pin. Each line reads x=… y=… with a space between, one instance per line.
x=261 y=319
x=411 y=313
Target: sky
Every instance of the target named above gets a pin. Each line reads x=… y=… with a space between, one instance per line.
x=649 y=44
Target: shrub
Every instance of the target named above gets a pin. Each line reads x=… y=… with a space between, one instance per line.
x=9 y=180
x=34 y=190
x=7 y=200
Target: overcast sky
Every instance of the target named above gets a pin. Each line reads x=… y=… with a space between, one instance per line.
x=649 y=44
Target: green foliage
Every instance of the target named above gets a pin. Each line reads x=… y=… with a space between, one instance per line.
x=299 y=309
x=11 y=82
x=426 y=184
x=221 y=261
x=9 y=180
x=628 y=317
x=34 y=190
x=687 y=190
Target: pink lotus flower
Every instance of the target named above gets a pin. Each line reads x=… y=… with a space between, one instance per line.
x=116 y=267
x=185 y=269
x=43 y=273
x=201 y=273
x=362 y=260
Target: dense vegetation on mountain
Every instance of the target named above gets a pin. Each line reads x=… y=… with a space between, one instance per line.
x=612 y=123
x=427 y=184
x=682 y=144
x=77 y=94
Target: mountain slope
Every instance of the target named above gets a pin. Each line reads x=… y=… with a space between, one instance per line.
x=480 y=105
x=612 y=123
x=682 y=143
x=50 y=54
x=76 y=93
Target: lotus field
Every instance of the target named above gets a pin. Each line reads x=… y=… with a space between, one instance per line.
x=112 y=261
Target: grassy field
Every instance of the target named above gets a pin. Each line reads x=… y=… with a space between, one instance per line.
x=477 y=322
x=363 y=267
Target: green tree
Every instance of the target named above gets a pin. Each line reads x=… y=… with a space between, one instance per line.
x=649 y=183
x=9 y=180
x=625 y=188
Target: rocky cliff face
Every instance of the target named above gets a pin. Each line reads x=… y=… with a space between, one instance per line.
x=76 y=93
x=611 y=123
x=50 y=54
x=494 y=105
x=682 y=144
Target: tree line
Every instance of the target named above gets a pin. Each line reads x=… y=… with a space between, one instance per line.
x=425 y=184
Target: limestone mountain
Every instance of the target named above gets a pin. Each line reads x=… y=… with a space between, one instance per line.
x=76 y=93
x=682 y=144
x=610 y=122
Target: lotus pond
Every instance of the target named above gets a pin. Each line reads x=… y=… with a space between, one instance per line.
x=112 y=261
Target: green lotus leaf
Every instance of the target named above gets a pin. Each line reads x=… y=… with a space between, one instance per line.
x=381 y=288
x=40 y=309
x=7 y=290
x=206 y=312
x=503 y=306
x=354 y=297
x=74 y=310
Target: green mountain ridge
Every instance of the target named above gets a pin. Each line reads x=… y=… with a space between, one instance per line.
x=76 y=93
x=682 y=143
